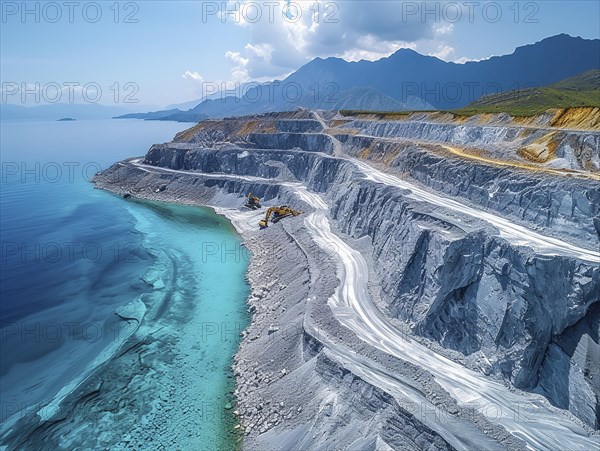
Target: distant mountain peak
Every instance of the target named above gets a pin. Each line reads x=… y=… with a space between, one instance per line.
x=406 y=50
x=405 y=53
x=558 y=39
x=561 y=36
x=408 y=80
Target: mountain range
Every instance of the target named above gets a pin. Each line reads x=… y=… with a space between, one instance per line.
x=406 y=80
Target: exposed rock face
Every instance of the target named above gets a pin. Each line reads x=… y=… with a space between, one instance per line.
x=569 y=149
x=510 y=311
x=561 y=205
x=570 y=374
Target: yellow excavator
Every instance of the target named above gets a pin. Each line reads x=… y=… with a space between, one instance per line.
x=253 y=202
x=277 y=213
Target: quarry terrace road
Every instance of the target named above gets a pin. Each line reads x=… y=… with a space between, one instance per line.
x=514 y=233
x=526 y=416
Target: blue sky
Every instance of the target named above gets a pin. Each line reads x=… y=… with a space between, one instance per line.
x=171 y=50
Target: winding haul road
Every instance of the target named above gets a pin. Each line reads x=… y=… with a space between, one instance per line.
x=513 y=233
x=526 y=416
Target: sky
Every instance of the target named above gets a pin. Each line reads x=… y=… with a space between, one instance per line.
x=150 y=54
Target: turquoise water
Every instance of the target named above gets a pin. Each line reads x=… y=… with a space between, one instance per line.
x=206 y=311
x=73 y=255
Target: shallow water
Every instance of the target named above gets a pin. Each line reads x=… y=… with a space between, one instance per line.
x=205 y=309
x=72 y=255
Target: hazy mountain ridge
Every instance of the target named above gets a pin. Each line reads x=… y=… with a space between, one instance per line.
x=408 y=80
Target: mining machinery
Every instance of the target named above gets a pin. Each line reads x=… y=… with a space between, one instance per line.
x=253 y=202
x=276 y=213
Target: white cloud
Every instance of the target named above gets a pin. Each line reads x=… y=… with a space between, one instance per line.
x=278 y=44
x=262 y=52
x=370 y=49
x=198 y=87
x=464 y=59
x=444 y=52
x=352 y=30
x=192 y=76
x=237 y=58
x=443 y=29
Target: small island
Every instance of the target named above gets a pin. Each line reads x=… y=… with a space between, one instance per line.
x=65 y=119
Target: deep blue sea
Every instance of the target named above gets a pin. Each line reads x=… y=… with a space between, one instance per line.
x=72 y=255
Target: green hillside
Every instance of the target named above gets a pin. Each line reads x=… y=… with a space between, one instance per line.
x=578 y=91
